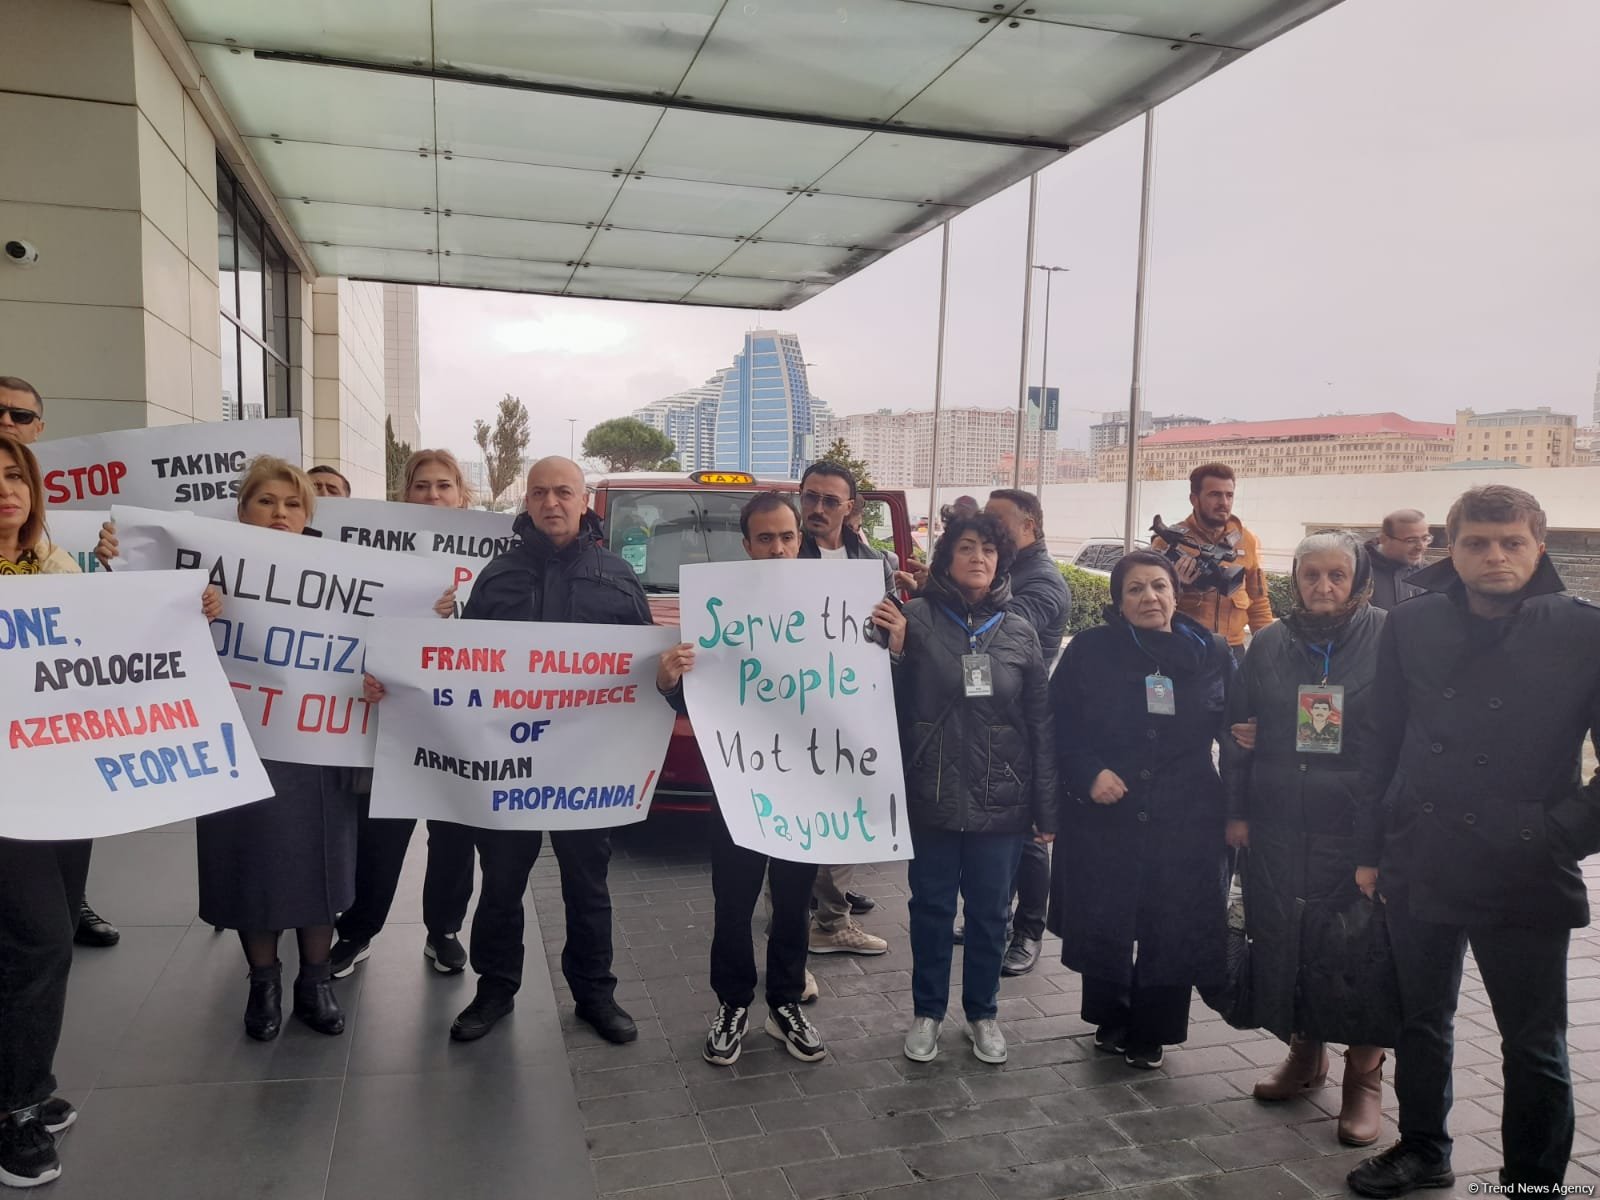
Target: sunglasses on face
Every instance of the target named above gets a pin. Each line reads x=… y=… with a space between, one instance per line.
x=19 y=416
x=818 y=500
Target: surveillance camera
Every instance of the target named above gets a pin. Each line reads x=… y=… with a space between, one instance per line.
x=20 y=253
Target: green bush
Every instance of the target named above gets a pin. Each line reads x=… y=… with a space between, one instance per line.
x=1280 y=590
x=1090 y=595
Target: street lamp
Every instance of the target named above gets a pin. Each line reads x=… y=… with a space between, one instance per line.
x=1044 y=371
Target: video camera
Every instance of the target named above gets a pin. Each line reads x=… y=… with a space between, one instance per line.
x=1218 y=569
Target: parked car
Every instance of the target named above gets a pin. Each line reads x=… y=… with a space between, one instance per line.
x=1101 y=554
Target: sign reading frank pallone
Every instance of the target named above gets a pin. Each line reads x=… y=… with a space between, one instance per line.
x=295 y=612
x=464 y=540
x=513 y=725
x=794 y=708
x=116 y=714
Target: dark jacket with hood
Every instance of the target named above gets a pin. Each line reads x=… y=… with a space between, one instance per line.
x=1484 y=813
x=1040 y=596
x=981 y=764
x=533 y=581
x=1391 y=581
x=855 y=546
x=1152 y=867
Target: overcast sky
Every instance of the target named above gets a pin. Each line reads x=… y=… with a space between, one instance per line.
x=1393 y=207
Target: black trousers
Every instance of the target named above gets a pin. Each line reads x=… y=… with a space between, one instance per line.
x=1031 y=888
x=1151 y=1016
x=41 y=886
x=506 y=857
x=736 y=876
x=381 y=844
x=1525 y=973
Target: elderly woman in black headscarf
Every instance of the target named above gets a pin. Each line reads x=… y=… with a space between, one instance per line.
x=1305 y=693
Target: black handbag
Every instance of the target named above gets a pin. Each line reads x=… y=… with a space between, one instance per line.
x=1233 y=998
x=1349 y=991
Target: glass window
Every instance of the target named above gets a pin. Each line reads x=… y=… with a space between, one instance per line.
x=252 y=380
x=251 y=299
x=230 y=370
x=227 y=279
x=658 y=532
x=257 y=284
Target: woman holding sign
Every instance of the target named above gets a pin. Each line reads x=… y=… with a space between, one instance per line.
x=431 y=477
x=1139 y=703
x=972 y=696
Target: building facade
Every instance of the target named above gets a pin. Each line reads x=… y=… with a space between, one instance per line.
x=1530 y=437
x=689 y=420
x=402 y=366
x=765 y=419
x=1112 y=428
x=1364 y=444
x=976 y=446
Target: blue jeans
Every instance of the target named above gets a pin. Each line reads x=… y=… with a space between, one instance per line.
x=980 y=867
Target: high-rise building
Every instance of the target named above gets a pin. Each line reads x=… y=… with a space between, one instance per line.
x=1112 y=428
x=402 y=370
x=689 y=420
x=976 y=446
x=1530 y=437
x=765 y=416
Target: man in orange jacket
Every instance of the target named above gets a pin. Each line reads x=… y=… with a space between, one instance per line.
x=1212 y=522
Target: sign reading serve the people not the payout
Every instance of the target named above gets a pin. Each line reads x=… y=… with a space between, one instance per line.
x=464 y=540
x=793 y=708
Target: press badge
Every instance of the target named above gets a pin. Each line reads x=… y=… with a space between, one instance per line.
x=977 y=675
x=1158 y=698
x=1319 y=722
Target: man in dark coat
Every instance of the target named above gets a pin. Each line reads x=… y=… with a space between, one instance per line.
x=1487 y=686
x=1396 y=555
x=558 y=571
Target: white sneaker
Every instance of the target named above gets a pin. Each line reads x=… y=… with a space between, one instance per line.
x=812 y=991
x=922 y=1042
x=849 y=938
x=988 y=1043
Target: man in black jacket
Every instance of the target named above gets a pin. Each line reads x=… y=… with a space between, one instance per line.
x=1486 y=689
x=557 y=572
x=1396 y=555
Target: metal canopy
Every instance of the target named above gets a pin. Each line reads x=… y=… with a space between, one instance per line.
x=728 y=152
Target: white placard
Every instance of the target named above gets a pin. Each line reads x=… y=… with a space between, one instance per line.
x=794 y=710
x=77 y=531
x=518 y=725
x=192 y=467
x=464 y=540
x=294 y=618
x=117 y=714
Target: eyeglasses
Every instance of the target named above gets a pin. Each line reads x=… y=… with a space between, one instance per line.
x=818 y=500
x=1416 y=543
x=19 y=416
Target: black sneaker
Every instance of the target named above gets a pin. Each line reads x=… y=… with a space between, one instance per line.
x=799 y=1036
x=57 y=1114
x=1112 y=1039
x=860 y=904
x=1398 y=1170
x=93 y=929
x=726 y=1038
x=27 y=1151
x=346 y=954
x=448 y=954
x=1146 y=1058
x=479 y=1017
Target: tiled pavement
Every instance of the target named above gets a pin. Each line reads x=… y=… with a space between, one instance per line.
x=177 y=1103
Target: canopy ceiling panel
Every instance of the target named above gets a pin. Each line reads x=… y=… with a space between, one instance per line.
x=734 y=152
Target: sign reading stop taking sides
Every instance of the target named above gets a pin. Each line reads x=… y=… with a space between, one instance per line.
x=194 y=467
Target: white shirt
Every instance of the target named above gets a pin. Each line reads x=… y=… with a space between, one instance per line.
x=841 y=552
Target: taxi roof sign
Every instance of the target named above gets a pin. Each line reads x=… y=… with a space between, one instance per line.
x=723 y=477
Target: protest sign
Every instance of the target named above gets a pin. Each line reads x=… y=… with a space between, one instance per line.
x=294 y=617
x=193 y=467
x=117 y=714
x=77 y=531
x=518 y=725
x=464 y=540
x=794 y=709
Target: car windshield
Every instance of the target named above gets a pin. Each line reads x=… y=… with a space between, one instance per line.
x=658 y=532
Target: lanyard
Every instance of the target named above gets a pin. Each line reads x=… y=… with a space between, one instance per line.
x=1145 y=650
x=1326 y=651
x=973 y=634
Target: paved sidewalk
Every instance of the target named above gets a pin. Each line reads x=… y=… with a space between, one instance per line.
x=1057 y=1120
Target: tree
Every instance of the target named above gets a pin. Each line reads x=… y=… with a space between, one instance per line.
x=839 y=454
x=395 y=453
x=503 y=446
x=625 y=444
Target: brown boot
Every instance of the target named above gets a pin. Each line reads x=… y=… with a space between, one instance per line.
x=1361 y=1111
x=1306 y=1067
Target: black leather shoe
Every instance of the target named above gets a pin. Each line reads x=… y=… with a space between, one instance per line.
x=263 y=1012
x=609 y=1021
x=93 y=929
x=482 y=1015
x=1398 y=1170
x=859 y=904
x=314 y=1001
x=1021 y=957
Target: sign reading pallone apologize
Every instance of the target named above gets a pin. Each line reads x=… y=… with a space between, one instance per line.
x=295 y=612
x=794 y=708
x=512 y=725
x=117 y=716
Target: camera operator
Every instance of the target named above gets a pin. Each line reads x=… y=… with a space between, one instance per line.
x=1212 y=522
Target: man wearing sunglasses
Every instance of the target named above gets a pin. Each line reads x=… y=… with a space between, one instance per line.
x=1397 y=553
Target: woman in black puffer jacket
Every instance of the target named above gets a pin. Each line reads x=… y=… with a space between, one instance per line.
x=972 y=695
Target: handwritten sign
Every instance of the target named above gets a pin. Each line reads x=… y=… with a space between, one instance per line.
x=193 y=467
x=512 y=725
x=116 y=713
x=794 y=709
x=463 y=540
x=294 y=618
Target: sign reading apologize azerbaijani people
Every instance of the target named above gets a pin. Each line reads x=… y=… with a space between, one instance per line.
x=294 y=618
x=518 y=725
x=194 y=467
x=463 y=539
x=794 y=709
x=117 y=714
